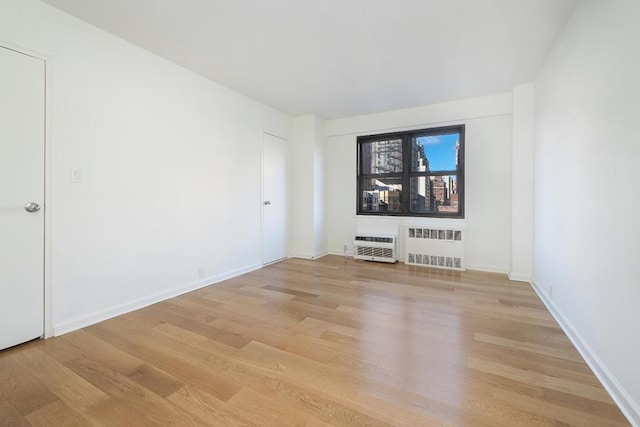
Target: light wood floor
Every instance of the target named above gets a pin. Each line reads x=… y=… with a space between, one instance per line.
x=327 y=342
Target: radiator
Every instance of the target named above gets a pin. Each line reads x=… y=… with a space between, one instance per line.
x=435 y=247
x=375 y=247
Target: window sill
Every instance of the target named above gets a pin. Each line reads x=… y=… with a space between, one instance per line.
x=412 y=219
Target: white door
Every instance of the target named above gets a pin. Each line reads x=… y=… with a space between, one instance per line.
x=274 y=199
x=22 y=118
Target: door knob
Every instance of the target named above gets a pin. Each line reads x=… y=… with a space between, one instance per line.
x=267 y=203
x=32 y=207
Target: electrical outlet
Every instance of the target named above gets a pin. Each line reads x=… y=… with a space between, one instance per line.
x=201 y=273
x=344 y=248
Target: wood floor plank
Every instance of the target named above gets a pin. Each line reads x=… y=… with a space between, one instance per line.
x=560 y=353
x=259 y=360
x=290 y=395
x=542 y=380
x=186 y=367
x=331 y=341
x=81 y=396
x=561 y=368
x=140 y=400
x=273 y=413
x=571 y=416
x=9 y=416
x=22 y=390
x=56 y=414
x=209 y=409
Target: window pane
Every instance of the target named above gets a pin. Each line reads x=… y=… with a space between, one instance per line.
x=382 y=157
x=381 y=195
x=430 y=164
x=434 y=194
x=435 y=153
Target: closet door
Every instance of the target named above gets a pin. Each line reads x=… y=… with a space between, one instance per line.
x=274 y=203
x=22 y=127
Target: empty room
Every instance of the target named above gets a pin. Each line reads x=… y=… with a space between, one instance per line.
x=319 y=213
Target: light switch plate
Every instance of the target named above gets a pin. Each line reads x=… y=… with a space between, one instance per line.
x=77 y=176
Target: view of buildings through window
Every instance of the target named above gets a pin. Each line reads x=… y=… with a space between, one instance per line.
x=430 y=173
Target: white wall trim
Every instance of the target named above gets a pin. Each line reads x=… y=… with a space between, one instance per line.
x=277 y=261
x=304 y=255
x=519 y=277
x=486 y=268
x=629 y=408
x=84 y=321
x=348 y=254
x=48 y=206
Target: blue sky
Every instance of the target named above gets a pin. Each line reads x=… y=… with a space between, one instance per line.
x=440 y=150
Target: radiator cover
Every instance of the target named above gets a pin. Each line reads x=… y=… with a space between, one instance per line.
x=434 y=247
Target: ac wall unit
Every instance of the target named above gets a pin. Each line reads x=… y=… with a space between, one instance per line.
x=375 y=247
x=434 y=247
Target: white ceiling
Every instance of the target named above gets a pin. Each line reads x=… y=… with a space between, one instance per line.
x=338 y=58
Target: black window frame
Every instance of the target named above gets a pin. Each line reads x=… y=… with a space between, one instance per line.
x=407 y=173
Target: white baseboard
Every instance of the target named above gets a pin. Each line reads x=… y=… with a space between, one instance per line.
x=309 y=255
x=629 y=408
x=342 y=253
x=519 y=277
x=486 y=268
x=93 y=318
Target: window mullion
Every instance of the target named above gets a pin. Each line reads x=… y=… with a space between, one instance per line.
x=406 y=171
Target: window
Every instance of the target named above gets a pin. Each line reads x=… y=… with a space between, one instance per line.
x=415 y=173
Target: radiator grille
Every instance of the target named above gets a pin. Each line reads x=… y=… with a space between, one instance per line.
x=435 y=247
x=375 y=247
x=368 y=251
x=379 y=239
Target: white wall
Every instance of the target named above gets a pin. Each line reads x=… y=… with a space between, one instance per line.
x=172 y=164
x=308 y=217
x=319 y=191
x=488 y=176
x=587 y=166
x=522 y=184
x=302 y=184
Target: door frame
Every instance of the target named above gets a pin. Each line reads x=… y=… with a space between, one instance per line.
x=288 y=232
x=47 y=252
